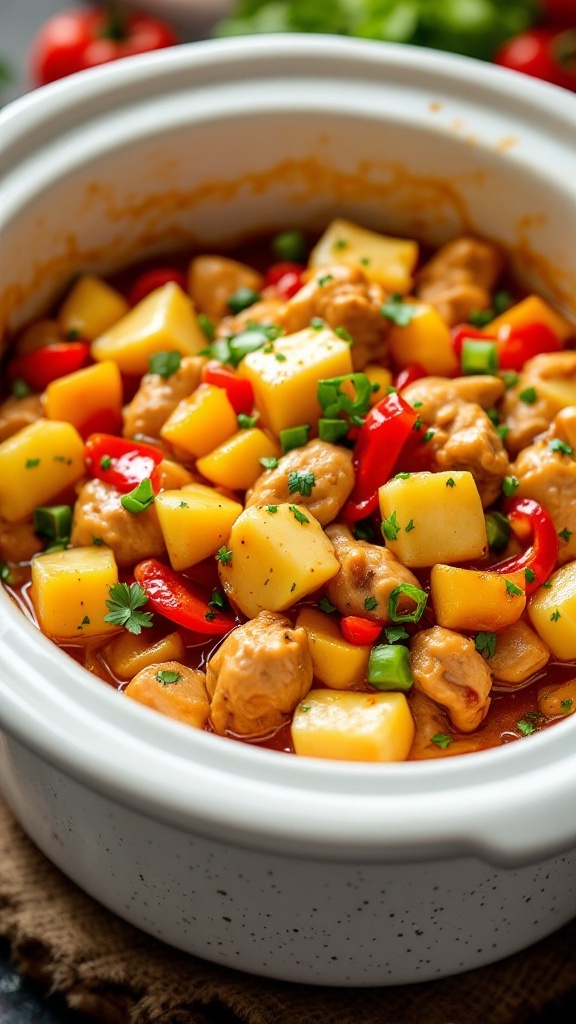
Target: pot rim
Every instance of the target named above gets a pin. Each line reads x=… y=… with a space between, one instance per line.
x=486 y=804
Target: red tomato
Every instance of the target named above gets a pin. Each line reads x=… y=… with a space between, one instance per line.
x=150 y=280
x=546 y=53
x=78 y=39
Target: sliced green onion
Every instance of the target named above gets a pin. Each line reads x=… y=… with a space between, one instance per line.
x=498 y=530
x=245 y=422
x=242 y=299
x=332 y=430
x=290 y=246
x=220 y=350
x=139 y=499
x=53 y=521
x=479 y=356
x=206 y=326
x=294 y=437
x=510 y=485
x=415 y=594
x=20 y=388
x=389 y=667
x=247 y=341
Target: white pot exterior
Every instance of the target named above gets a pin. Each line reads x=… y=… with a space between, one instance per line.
x=321 y=872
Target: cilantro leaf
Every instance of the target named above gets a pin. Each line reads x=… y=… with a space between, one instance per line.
x=124 y=602
x=485 y=644
x=398 y=311
x=164 y=364
x=301 y=483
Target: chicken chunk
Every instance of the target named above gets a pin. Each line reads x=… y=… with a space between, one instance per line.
x=157 y=397
x=429 y=394
x=342 y=297
x=265 y=312
x=212 y=280
x=319 y=475
x=99 y=517
x=17 y=413
x=548 y=476
x=18 y=541
x=174 y=690
x=460 y=277
x=368 y=573
x=447 y=667
x=549 y=382
x=432 y=725
x=258 y=676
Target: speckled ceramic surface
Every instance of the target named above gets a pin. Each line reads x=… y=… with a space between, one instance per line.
x=313 y=871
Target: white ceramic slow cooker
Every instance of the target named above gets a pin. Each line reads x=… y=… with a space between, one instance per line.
x=299 y=869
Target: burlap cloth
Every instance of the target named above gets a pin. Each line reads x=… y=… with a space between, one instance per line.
x=114 y=973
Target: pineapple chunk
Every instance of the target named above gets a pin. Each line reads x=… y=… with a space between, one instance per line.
x=195 y=521
x=285 y=389
x=433 y=517
x=349 y=726
x=91 y=307
x=552 y=612
x=380 y=379
x=280 y=554
x=236 y=463
x=128 y=654
x=425 y=339
x=36 y=464
x=164 y=320
x=201 y=422
x=387 y=261
x=80 y=396
x=519 y=654
x=469 y=599
x=532 y=310
x=70 y=589
x=337 y=663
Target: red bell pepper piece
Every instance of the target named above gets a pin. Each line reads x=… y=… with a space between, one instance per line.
x=408 y=375
x=40 y=367
x=239 y=391
x=150 y=280
x=381 y=438
x=122 y=462
x=538 y=561
x=360 y=631
x=518 y=344
x=180 y=600
x=285 y=277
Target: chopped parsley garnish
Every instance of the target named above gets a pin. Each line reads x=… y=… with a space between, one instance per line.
x=97 y=541
x=394 y=634
x=124 y=602
x=272 y=509
x=566 y=705
x=450 y=482
x=326 y=606
x=555 y=616
x=513 y=589
x=206 y=326
x=364 y=531
x=242 y=298
x=166 y=676
x=398 y=311
x=32 y=463
x=480 y=317
x=224 y=555
x=317 y=323
x=298 y=515
x=218 y=600
x=85 y=622
x=556 y=445
x=402 y=476
x=510 y=378
x=269 y=462
x=485 y=644
x=370 y=603
x=20 y=388
x=349 y=394
x=503 y=430
x=344 y=334
x=365 y=261
x=442 y=740
x=245 y=422
x=139 y=499
x=301 y=482
x=528 y=396
x=292 y=588
x=325 y=279
x=340 y=243
x=105 y=462
x=165 y=363
x=529 y=575
x=410 y=526
x=565 y=534
x=6 y=573
x=280 y=357
x=526 y=727
x=291 y=246
x=510 y=485
x=428 y=436
x=391 y=527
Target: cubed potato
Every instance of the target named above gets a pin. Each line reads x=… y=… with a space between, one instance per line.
x=236 y=462
x=91 y=307
x=201 y=422
x=351 y=726
x=388 y=261
x=70 y=589
x=183 y=698
x=436 y=517
x=469 y=599
x=195 y=521
x=380 y=379
x=280 y=554
x=552 y=612
x=128 y=653
x=163 y=321
x=557 y=699
x=36 y=464
x=519 y=654
x=82 y=396
x=337 y=663
x=285 y=388
x=425 y=339
x=532 y=310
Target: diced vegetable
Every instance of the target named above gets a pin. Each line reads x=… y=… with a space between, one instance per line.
x=43 y=365
x=240 y=392
x=285 y=375
x=380 y=378
x=264 y=571
x=163 y=321
x=348 y=726
x=531 y=310
x=533 y=566
x=195 y=521
x=180 y=600
x=338 y=664
x=559 y=699
x=433 y=517
x=174 y=690
x=388 y=261
x=236 y=462
x=122 y=462
x=552 y=612
x=467 y=599
x=426 y=340
x=128 y=654
x=389 y=667
x=83 y=396
x=201 y=422
x=519 y=653
x=36 y=464
x=90 y=308
x=70 y=589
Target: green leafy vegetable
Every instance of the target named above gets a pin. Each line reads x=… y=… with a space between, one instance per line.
x=398 y=311
x=124 y=602
x=165 y=363
x=301 y=483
